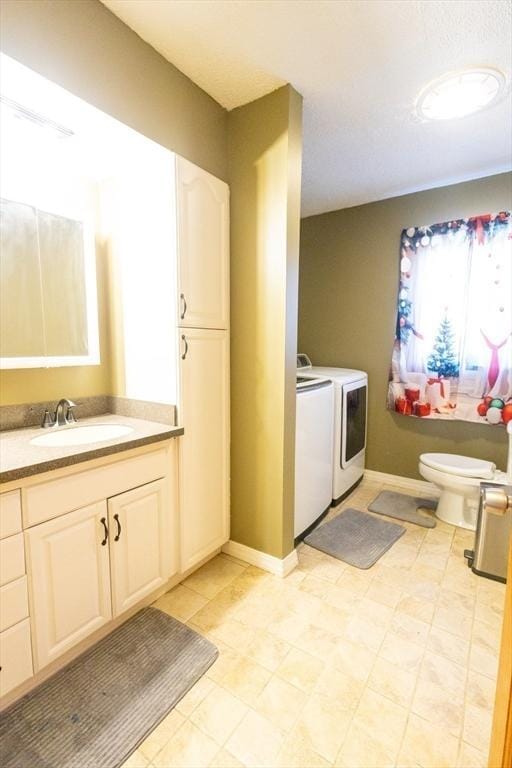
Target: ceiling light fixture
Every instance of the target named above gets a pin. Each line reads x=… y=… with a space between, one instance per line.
x=458 y=94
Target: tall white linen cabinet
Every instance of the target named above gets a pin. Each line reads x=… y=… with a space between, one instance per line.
x=203 y=349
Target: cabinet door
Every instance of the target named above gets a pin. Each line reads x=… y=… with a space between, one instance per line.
x=203 y=248
x=142 y=544
x=68 y=566
x=204 y=448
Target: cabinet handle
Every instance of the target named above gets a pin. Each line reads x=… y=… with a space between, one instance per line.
x=184 y=306
x=104 y=521
x=116 y=518
x=184 y=338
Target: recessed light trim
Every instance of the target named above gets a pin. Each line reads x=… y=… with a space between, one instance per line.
x=458 y=94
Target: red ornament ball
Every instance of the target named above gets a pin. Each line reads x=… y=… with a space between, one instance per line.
x=482 y=408
x=506 y=413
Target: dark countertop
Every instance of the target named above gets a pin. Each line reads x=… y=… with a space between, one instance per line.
x=19 y=458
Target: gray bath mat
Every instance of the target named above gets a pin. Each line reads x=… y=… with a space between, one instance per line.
x=95 y=712
x=405 y=507
x=355 y=537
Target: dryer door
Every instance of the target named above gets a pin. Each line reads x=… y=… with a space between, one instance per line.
x=353 y=427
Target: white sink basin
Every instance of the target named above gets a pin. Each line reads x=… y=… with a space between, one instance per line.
x=90 y=433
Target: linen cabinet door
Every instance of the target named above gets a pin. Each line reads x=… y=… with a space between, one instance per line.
x=204 y=448
x=142 y=546
x=203 y=248
x=69 y=580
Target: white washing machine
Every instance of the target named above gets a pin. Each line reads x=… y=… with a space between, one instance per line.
x=313 y=451
x=349 y=423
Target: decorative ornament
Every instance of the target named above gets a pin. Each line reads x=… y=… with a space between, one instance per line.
x=493 y=415
x=405 y=264
x=482 y=408
x=497 y=402
x=425 y=240
x=506 y=413
x=410 y=232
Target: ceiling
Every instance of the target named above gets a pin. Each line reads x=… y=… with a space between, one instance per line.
x=359 y=65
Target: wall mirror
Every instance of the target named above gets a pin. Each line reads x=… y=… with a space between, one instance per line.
x=48 y=229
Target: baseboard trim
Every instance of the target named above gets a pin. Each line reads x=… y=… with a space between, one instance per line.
x=261 y=559
x=405 y=482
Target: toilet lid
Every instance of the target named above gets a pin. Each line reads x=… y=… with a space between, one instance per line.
x=463 y=466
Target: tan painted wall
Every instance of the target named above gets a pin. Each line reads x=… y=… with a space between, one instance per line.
x=265 y=153
x=82 y=46
x=347 y=305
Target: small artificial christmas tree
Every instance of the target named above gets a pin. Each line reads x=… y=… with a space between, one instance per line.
x=443 y=360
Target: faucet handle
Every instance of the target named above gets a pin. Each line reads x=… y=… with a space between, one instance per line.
x=70 y=414
x=48 y=420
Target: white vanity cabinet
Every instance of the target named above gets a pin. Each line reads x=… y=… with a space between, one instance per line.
x=15 y=638
x=68 y=562
x=142 y=550
x=87 y=545
x=203 y=247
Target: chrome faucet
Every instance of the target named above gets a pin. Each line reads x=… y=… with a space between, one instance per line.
x=60 y=418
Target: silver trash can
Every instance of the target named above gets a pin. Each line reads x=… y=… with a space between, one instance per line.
x=494 y=525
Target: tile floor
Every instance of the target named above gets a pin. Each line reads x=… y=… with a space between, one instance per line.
x=334 y=666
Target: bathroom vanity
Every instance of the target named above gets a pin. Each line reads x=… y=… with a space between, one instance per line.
x=89 y=535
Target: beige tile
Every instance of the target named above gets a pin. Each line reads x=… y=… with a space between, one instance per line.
x=392 y=682
x=281 y=703
x=481 y=690
x=454 y=601
x=188 y=747
x=297 y=753
x=339 y=686
x=483 y=660
x=445 y=644
x=180 y=602
x=195 y=696
x=224 y=759
x=333 y=620
x=267 y=650
x=225 y=661
x=477 y=727
x=212 y=577
x=289 y=627
x=470 y=757
x=322 y=725
x=256 y=742
x=383 y=593
x=246 y=680
x=233 y=633
x=355 y=582
x=300 y=669
x=159 y=737
x=361 y=631
x=352 y=659
x=427 y=745
x=417 y=607
x=409 y=628
x=359 y=751
x=136 y=760
x=490 y=613
x=218 y=714
x=486 y=635
x=439 y=706
x=443 y=672
x=381 y=720
x=315 y=586
x=316 y=641
x=380 y=615
x=402 y=652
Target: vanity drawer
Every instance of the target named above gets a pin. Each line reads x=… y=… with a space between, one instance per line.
x=12 y=559
x=10 y=513
x=13 y=603
x=48 y=500
x=15 y=656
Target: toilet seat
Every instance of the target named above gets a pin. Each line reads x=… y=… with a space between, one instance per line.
x=463 y=466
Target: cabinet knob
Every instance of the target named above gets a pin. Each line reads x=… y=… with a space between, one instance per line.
x=183 y=306
x=185 y=351
x=105 y=529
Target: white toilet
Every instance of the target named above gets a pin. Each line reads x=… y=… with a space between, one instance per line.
x=459 y=478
